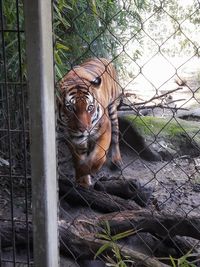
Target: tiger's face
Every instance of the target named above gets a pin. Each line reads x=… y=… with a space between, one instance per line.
x=82 y=110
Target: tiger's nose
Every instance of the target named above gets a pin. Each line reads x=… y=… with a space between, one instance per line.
x=82 y=129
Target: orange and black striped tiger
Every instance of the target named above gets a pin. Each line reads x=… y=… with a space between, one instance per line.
x=88 y=95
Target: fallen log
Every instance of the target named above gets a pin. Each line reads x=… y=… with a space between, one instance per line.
x=88 y=244
x=75 y=241
x=126 y=189
x=101 y=201
x=85 y=232
x=161 y=224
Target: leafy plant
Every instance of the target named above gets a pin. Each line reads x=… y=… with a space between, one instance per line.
x=110 y=244
x=92 y=28
x=81 y=29
x=13 y=42
x=117 y=260
x=102 y=28
x=183 y=261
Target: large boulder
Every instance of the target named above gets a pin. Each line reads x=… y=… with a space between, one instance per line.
x=168 y=137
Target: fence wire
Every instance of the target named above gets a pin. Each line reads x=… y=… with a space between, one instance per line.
x=145 y=213
x=155 y=55
x=15 y=192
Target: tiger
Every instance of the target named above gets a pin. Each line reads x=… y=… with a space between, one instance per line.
x=88 y=94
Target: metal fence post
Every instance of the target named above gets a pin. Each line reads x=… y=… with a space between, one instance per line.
x=38 y=27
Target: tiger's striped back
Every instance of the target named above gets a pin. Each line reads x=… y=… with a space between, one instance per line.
x=85 y=75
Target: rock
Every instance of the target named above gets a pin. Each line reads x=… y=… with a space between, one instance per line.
x=131 y=137
x=167 y=137
x=193 y=114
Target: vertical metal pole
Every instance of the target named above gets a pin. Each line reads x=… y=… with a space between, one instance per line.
x=38 y=29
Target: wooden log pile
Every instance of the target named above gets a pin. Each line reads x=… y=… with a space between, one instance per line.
x=124 y=206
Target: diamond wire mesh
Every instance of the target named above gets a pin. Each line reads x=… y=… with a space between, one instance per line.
x=172 y=183
x=157 y=96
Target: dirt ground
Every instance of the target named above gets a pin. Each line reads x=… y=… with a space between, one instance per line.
x=175 y=184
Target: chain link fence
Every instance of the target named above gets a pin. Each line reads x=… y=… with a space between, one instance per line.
x=146 y=212
x=155 y=49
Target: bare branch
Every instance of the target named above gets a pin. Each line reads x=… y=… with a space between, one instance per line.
x=143 y=104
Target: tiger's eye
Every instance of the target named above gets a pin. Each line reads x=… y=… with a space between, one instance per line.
x=90 y=107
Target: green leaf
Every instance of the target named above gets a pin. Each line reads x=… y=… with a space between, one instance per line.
x=106 y=228
x=102 y=249
x=172 y=261
x=62 y=46
x=123 y=235
x=57 y=58
x=102 y=236
x=59 y=73
x=116 y=251
x=94 y=7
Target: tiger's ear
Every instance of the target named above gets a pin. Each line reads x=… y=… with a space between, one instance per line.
x=96 y=81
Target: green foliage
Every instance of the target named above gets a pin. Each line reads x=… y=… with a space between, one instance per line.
x=102 y=28
x=174 y=26
x=82 y=29
x=13 y=42
x=110 y=244
x=93 y=28
x=117 y=260
x=149 y=125
x=183 y=261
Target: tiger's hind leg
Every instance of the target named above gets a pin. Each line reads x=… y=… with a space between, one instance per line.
x=115 y=151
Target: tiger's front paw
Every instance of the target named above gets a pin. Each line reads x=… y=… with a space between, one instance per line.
x=84 y=181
